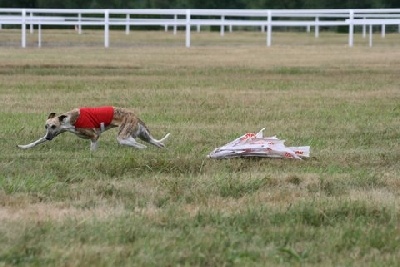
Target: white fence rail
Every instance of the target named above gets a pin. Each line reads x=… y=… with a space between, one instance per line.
x=265 y=19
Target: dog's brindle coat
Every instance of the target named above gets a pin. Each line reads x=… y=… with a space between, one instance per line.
x=130 y=127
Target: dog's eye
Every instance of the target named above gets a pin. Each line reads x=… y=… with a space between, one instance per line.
x=53 y=127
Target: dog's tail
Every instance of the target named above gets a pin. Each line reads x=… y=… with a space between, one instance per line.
x=145 y=135
x=164 y=138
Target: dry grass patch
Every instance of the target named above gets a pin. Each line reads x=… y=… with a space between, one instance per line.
x=58 y=212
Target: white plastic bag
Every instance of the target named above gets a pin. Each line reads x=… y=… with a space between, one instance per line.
x=255 y=145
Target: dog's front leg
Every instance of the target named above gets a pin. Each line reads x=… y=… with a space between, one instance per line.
x=93 y=144
x=87 y=133
x=39 y=141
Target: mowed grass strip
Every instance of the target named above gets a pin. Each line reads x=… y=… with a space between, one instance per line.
x=62 y=205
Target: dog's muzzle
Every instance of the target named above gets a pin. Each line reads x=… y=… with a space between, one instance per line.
x=49 y=136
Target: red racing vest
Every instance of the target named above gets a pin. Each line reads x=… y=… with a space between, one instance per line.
x=93 y=117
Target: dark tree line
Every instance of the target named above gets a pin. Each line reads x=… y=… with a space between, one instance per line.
x=202 y=4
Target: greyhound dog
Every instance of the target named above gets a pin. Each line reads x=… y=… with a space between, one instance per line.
x=90 y=122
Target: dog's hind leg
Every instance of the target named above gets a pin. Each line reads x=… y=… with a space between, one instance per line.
x=126 y=135
x=130 y=141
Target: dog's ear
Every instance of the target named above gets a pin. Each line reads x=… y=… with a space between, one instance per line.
x=62 y=117
x=51 y=115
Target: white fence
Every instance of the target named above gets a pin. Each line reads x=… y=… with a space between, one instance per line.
x=265 y=19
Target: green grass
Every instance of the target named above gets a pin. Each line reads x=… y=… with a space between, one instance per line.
x=61 y=205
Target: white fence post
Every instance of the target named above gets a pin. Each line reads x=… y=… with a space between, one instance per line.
x=222 y=29
x=316 y=27
x=106 y=28
x=176 y=20
x=80 y=24
x=23 y=29
x=127 y=24
x=383 y=32
x=187 y=27
x=39 y=35
x=269 y=28
x=370 y=35
x=351 y=28
x=364 y=28
x=31 y=24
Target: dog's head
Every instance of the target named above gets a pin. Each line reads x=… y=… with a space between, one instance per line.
x=53 y=125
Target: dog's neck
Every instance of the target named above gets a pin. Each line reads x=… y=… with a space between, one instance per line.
x=66 y=125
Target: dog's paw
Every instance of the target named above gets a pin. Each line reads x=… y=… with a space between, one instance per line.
x=161 y=145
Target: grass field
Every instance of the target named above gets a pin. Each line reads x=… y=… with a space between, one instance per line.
x=61 y=205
